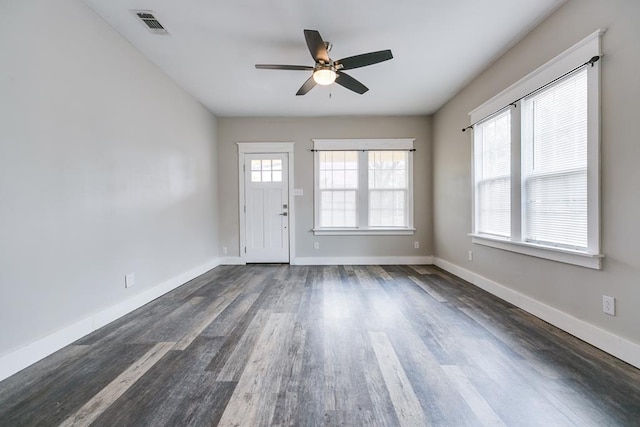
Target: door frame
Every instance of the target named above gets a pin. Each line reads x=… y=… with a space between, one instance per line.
x=264 y=148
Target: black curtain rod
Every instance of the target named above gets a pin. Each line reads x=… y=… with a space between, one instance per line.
x=371 y=149
x=513 y=103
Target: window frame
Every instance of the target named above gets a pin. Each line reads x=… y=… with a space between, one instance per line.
x=569 y=59
x=478 y=140
x=363 y=146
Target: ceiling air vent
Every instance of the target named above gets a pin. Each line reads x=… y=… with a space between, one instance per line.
x=150 y=21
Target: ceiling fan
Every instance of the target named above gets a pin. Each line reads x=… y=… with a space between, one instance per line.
x=327 y=71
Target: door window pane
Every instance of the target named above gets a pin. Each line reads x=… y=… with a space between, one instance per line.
x=266 y=170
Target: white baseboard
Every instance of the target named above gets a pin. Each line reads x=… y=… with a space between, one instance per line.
x=613 y=344
x=232 y=260
x=372 y=260
x=38 y=350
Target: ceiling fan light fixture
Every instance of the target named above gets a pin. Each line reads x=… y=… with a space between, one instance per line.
x=324 y=76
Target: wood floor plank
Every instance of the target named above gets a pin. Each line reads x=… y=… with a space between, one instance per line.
x=36 y=376
x=441 y=402
x=172 y=326
x=326 y=345
x=335 y=305
x=51 y=394
x=204 y=319
x=379 y=272
x=237 y=346
x=176 y=391
x=238 y=357
x=497 y=374
x=483 y=411
x=101 y=401
x=231 y=316
x=344 y=379
x=286 y=408
x=310 y=383
x=254 y=399
x=423 y=269
x=405 y=402
x=428 y=289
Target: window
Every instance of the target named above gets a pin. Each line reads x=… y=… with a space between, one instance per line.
x=536 y=163
x=266 y=170
x=388 y=188
x=493 y=175
x=338 y=184
x=363 y=186
x=554 y=138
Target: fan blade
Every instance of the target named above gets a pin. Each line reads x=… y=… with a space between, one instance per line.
x=351 y=83
x=283 y=67
x=316 y=46
x=365 y=59
x=307 y=86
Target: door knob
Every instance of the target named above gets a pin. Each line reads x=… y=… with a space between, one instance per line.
x=283 y=214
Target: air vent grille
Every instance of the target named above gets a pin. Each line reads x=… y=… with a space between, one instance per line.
x=148 y=18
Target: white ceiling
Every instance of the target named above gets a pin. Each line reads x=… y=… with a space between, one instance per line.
x=212 y=46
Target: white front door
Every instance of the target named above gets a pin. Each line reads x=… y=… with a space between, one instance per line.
x=266 y=198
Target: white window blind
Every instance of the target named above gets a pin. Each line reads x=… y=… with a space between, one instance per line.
x=388 y=188
x=338 y=185
x=554 y=132
x=493 y=175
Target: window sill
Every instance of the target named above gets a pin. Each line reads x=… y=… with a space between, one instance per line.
x=363 y=231
x=567 y=256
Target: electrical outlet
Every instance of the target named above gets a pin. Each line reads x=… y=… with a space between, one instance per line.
x=470 y=255
x=416 y=245
x=609 y=305
x=129 y=280
x=224 y=250
x=316 y=245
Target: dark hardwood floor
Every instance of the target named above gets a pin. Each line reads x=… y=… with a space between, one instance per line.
x=262 y=345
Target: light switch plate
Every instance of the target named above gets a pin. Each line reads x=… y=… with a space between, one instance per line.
x=298 y=192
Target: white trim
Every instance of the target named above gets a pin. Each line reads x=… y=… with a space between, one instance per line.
x=576 y=55
x=232 y=260
x=257 y=148
x=372 y=260
x=364 y=231
x=31 y=353
x=567 y=256
x=593 y=158
x=615 y=345
x=364 y=144
x=265 y=147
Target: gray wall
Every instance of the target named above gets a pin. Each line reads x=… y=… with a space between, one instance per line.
x=573 y=290
x=301 y=131
x=106 y=167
